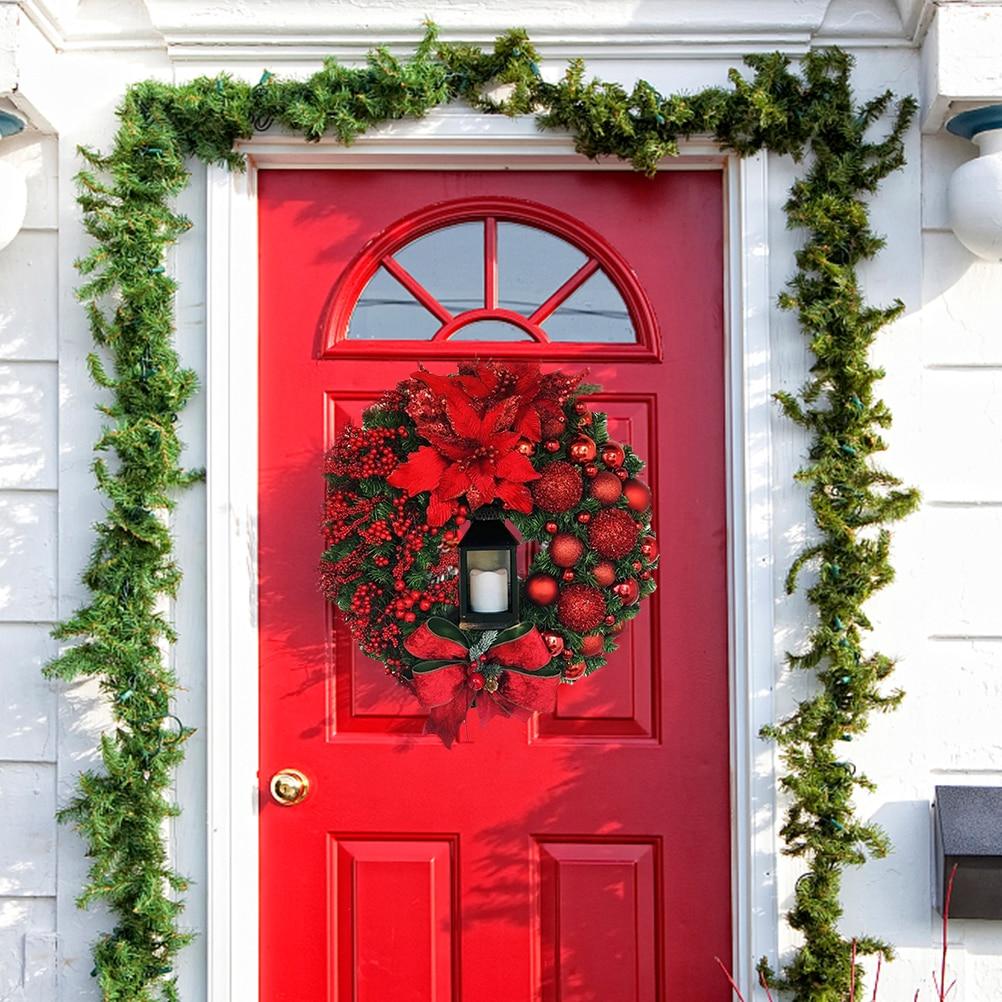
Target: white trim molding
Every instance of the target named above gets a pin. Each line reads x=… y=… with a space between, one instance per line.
x=752 y=674
x=232 y=694
x=303 y=31
x=458 y=138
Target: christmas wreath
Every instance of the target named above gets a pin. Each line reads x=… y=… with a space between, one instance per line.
x=437 y=455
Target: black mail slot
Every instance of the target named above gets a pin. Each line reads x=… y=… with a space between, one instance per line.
x=968 y=822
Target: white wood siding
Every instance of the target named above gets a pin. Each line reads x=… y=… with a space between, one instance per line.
x=29 y=403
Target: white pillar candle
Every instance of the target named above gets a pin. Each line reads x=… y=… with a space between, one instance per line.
x=489 y=590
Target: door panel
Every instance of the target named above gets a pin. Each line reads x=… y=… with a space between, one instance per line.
x=598 y=920
x=392 y=921
x=583 y=856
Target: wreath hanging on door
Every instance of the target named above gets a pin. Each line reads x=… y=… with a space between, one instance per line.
x=423 y=570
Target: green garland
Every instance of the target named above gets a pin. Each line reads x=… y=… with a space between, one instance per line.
x=126 y=199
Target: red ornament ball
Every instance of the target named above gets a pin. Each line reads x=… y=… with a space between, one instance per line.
x=553 y=427
x=566 y=550
x=606 y=488
x=582 y=449
x=542 y=589
x=622 y=474
x=610 y=620
x=580 y=607
x=628 y=591
x=613 y=533
x=568 y=575
x=590 y=471
x=649 y=547
x=605 y=573
x=580 y=408
x=593 y=644
x=575 y=670
x=558 y=488
x=584 y=517
x=554 y=643
x=551 y=445
x=551 y=527
x=525 y=447
x=476 y=681
x=638 y=495
x=613 y=455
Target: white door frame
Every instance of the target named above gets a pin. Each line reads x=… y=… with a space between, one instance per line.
x=459 y=138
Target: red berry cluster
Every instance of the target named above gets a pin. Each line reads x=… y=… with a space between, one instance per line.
x=345 y=514
x=361 y=453
x=439 y=592
x=365 y=536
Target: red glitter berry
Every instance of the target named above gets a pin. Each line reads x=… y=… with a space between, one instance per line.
x=580 y=607
x=558 y=488
x=613 y=533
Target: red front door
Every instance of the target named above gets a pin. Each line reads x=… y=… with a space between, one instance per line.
x=584 y=857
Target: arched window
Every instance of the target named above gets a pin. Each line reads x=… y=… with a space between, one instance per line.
x=502 y=272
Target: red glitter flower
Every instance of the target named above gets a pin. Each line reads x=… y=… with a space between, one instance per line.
x=469 y=454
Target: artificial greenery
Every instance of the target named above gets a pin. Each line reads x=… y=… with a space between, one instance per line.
x=126 y=199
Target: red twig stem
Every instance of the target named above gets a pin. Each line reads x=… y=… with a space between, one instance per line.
x=943 y=990
x=731 y=981
x=876 y=978
x=852 y=973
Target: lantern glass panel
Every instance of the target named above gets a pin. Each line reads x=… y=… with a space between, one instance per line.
x=490 y=576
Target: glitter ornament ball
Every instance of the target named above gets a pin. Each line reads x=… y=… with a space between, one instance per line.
x=605 y=573
x=566 y=550
x=580 y=607
x=613 y=533
x=558 y=488
x=606 y=488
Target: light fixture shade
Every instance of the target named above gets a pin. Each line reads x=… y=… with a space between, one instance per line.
x=974 y=194
x=13 y=202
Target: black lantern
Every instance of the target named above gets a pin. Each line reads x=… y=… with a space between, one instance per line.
x=488 y=579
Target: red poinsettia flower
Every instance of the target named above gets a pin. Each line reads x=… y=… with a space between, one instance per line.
x=541 y=398
x=468 y=454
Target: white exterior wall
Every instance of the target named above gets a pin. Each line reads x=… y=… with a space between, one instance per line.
x=942 y=616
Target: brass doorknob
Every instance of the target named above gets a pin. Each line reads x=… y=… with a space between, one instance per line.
x=289 y=787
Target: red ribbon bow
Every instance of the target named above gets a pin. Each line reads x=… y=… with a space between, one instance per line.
x=449 y=680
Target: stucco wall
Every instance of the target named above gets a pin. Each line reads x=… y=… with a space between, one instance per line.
x=942 y=616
